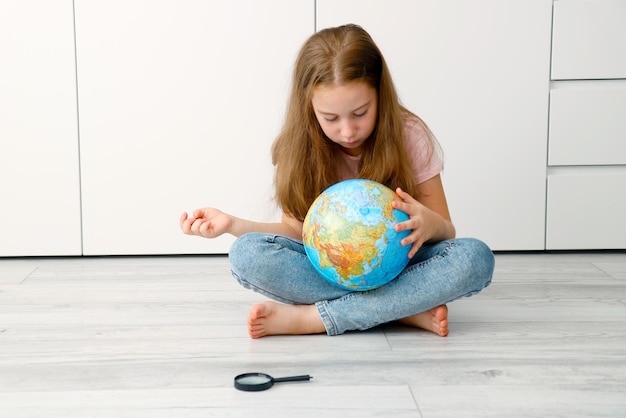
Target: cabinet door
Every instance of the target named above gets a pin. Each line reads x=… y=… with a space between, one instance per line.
x=589 y=40
x=478 y=73
x=587 y=124
x=179 y=104
x=586 y=209
x=39 y=170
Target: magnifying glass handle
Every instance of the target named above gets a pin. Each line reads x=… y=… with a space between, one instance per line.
x=293 y=378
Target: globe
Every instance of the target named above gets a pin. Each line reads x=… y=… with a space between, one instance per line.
x=349 y=235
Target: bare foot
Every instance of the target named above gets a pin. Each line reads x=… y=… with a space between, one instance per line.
x=435 y=320
x=271 y=318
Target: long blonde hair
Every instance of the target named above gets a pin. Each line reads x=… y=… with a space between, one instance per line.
x=303 y=156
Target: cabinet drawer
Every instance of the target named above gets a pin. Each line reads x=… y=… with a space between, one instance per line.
x=587 y=126
x=589 y=39
x=586 y=211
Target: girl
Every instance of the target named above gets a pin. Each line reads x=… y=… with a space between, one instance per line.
x=344 y=120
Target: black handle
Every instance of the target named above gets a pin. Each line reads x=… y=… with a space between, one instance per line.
x=293 y=378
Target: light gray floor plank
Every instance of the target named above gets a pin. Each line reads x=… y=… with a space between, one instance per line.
x=164 y=337
x=521 y=401
x=309 y=400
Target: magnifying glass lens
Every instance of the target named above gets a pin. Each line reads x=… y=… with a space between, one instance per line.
x=253 y=380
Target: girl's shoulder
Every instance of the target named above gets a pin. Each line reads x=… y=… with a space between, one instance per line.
x=415 y=129
x=422 y=149
x=417 y=134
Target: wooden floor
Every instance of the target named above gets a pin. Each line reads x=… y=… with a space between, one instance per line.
x=164 y=337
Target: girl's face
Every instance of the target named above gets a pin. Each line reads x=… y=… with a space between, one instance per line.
x=347 y=113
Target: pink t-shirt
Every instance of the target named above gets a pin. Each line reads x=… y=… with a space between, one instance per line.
x=425 y=159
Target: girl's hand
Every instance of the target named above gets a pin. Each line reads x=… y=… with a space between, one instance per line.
x=423 y=222
x=206 y=222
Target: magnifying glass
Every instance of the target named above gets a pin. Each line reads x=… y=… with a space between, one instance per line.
x=253 y=382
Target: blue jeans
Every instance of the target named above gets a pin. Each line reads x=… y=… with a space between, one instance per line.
x=278 y=267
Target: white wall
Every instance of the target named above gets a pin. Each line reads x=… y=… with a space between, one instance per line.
x=39 y=172
x=179 y=104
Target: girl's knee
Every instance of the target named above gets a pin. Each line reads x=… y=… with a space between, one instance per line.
x=237 y=251
x=483 y=253
x=244 y=256
x=480 y=260
x=246 y=251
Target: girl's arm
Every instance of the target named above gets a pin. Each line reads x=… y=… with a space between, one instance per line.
x=288 y=227
x=211 y=223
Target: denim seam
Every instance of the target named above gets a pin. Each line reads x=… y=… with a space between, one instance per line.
x=261 y=291
x=444 y=253
x=271 y=239
x=329 y=324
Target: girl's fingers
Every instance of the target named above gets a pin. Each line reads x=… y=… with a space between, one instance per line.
x=405 y=196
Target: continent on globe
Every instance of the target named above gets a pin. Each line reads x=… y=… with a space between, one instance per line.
x=349 y=235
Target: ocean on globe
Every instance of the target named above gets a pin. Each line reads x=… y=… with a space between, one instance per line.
x=349 y=235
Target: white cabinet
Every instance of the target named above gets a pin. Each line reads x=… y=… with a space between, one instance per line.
x=589 y=39
x=179 y=104
x=39 y=170
x=478 y=73
x=586 y=209
x=586 y=198
x=587 y=124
